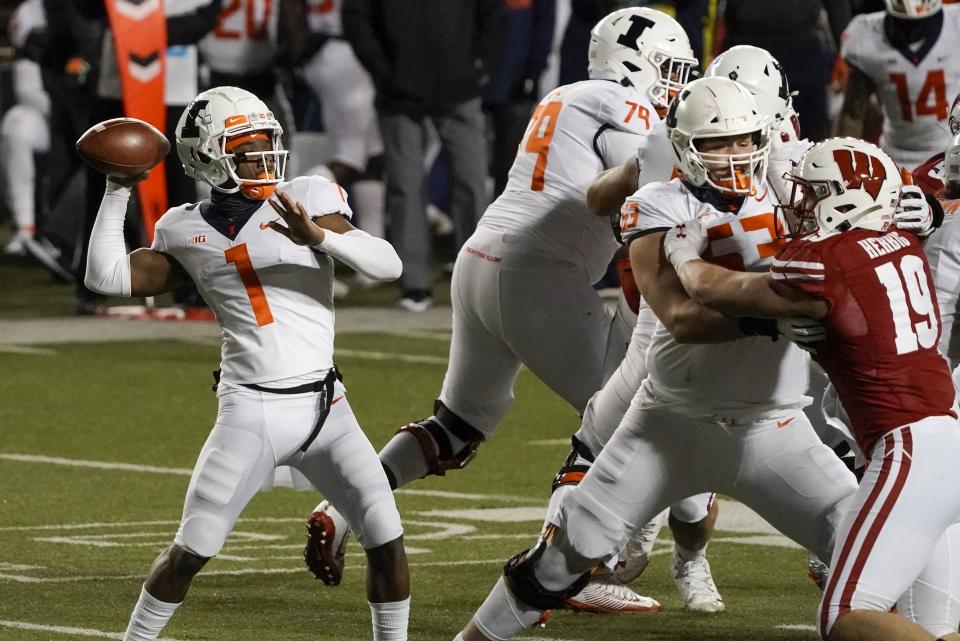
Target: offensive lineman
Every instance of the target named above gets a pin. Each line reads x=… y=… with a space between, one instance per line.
x=532 y=261
x=872 y=289
x=270 y=286
x=720 y=406
x=907 y=57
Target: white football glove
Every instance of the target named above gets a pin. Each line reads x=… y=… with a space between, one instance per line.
x=684 y=243
x=804 y=332
x=913 y=212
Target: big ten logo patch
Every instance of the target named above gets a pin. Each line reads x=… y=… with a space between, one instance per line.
x=744 y=243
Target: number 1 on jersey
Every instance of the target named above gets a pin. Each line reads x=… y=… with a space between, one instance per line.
x=240 y=257
x=539 y=135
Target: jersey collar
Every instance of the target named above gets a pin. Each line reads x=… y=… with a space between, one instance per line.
x=228 y=213
x=931 y=27
x=714 y=198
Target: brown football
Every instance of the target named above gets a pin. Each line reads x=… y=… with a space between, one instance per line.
x=122 y=147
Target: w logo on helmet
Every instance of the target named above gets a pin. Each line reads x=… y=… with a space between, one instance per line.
x=860 y=171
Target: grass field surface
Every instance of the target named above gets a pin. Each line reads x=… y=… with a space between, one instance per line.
x=99 y=439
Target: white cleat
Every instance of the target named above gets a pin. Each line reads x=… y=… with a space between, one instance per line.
x=605 y=595
x=695 y=584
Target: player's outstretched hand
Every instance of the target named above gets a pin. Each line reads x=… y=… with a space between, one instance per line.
x=805 y=332
x=299 y=227
x=913 y=212
x=684 y=243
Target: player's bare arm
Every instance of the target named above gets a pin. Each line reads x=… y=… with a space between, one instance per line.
x=746 y=294
x=687 y=320
x=731 y=292
x=611 y=188
x=153 y=273
x=855 y=104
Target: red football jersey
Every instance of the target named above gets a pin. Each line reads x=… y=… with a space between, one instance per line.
x=882 y=329
x=929 y=175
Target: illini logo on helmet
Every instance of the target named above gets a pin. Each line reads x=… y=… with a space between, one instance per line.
x=860 y=170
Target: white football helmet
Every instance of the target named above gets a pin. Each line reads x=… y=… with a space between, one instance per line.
x=913 y=9
x=642 y=48
x=717 y=108
x=219 y=119
x=761 y=73
x=842 y=183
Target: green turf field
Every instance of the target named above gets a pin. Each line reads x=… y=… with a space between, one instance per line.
x=76 y=540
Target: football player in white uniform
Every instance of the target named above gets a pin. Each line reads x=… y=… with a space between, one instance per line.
x=692 y=519
x=721 y=405
x=522 y=285
x=907 y=57
x=280 y=398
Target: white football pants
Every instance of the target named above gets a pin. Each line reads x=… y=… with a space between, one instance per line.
x=775 y=464
x=513 y=307
x=894 y=530
x=258 y=431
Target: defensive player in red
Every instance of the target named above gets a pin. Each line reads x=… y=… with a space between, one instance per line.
x=871 y=288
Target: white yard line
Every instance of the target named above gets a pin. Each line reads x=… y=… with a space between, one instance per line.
x=101 y=465
x=28 y=351
x=416 y=333
x=390 y=356
x=798 y=627
x=59 y=629
x=550 y=442
x=244 y=571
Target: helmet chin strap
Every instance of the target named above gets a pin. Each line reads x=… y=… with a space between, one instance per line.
x=259 y=191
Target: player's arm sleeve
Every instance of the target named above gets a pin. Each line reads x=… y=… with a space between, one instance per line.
x=108 y=265
x=373 y=257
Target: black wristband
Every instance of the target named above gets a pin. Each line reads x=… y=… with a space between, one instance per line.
x=759 y=327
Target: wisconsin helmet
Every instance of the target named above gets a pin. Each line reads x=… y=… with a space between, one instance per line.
x=844 y=183
x=717 y=108
x=642 y=48
x=763 y=76
x=216 y=122
x=913 y=9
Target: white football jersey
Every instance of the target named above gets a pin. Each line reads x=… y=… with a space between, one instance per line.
x=943 y=252
x=245 y=38
x=576 y=132
x=752 y=374
x=273 y=299
x=915 y=88
x=323 y=16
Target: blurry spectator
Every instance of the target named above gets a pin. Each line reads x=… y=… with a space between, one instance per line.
x=906 y=57
x=187 y=22
x=428 y=60
x=346 y=94
x=510 y=96
x=250 y=43
x=24 y=135
x=788 y=29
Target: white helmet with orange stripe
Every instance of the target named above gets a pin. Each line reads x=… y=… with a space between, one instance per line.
x=217 y=121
